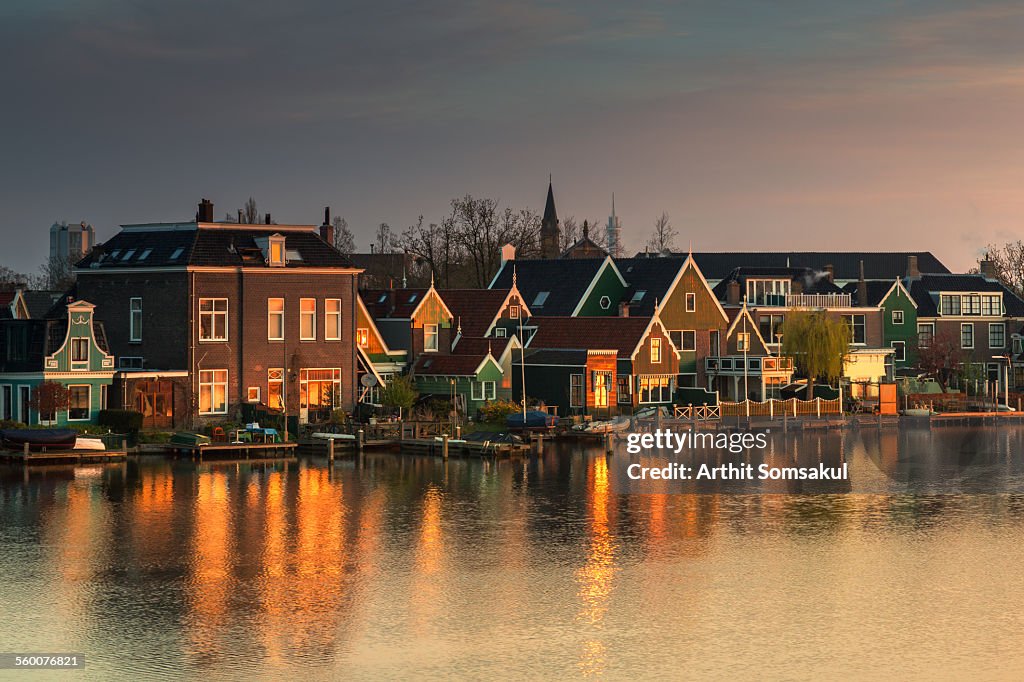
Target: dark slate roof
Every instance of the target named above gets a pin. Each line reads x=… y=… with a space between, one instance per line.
x=846 y=264
x=585 y=245
x=39 y=303
x=546 y=356
x=473 y=309
x=652 y=275
x=877 y=289
x=566 y=280
x=396 y=303
x=478 y=345
x=210 y=246
x=925 y=292
x=621 y=334
x=448 y=365
x=814 y=281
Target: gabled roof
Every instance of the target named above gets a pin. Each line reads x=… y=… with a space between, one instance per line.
x=373 y=325
x=653 y=276
x=475 y=310
x=39 y=303
x=478 y=345
x=392 y=303
x=211 y=245
x=566 y=280
x=846 y=264
x=878 y=290
x=13 y=305
x=925 y=291
x=620 y=334
x=432 y=364
x=744 y=313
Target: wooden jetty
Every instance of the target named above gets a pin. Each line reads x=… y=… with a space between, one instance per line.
x=240 y=451
x=63 y=456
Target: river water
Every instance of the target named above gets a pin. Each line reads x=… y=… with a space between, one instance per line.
x=404 y=566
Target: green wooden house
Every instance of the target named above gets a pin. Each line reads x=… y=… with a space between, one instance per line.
x=899 y=316
x=66 y=347
x=470 y=380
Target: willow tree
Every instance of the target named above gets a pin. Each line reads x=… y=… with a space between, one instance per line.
x=817 y=343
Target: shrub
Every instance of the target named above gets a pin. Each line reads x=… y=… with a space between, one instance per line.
x=120 y=421
x=399 y=392
x=497 y=410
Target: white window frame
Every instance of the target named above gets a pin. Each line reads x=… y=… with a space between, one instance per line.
x=901 y=351
x=743 y=342
x=307 y=316
x=431 y=331
x=500 y=333
x=576 y=382
x=275 y=316
x=655 y=350
x=277 y=254
x=513 y=312
x=993 y=325
x=964 y=326
x=605 y=302
x=897 y=316
x=88 y=409
x=135 y=326
x=213 y=315
x=211 y=381
x=79 y=363
x=252 y=394
x=332 y=330
x=691 y=302
x=271 y=381
x=363 y=337
x=482 y=390
x=931 y=336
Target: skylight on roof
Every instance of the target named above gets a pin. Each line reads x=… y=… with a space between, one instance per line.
x=177 y=253
x=541 y=297
x=114 y=254
x=145 y=254
x=638 y=296
x=412 y=299
x=293 y=255
x=383 y=298
x=128 y=254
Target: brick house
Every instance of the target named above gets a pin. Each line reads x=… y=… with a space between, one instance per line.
x=204 y=316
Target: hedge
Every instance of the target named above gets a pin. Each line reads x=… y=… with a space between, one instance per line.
x=121 y=421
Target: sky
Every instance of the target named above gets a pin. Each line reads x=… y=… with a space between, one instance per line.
x=793 y=125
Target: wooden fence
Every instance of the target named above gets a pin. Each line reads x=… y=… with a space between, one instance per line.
x=779 y=408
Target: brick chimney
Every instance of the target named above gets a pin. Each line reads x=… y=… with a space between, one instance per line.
x=830 y=272
x=205 y=214
x=267 y=219
x=862 y=288
x=912 y=270
x=508 y=252
x=987 y=268
x=327 y=229
x=624 y=309
x=732 y=292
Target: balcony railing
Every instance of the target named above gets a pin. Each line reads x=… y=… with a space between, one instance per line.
x=731 y=364
x=818 y=300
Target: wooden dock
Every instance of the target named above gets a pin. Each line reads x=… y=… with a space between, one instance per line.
x=63 y=456
x=240 y=451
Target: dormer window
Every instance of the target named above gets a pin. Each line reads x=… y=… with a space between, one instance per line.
x=277 y=254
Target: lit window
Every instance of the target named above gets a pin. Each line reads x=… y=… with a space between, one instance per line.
x=79 y=398
x=307 y=319
x=277 y=251
x=213 y=319
x=691 y=303
x=135 y=319
x=430 y=337
x=252 y=394
x=743 y=342
x=275 y=386
x=332 y=319
x=213 y=391
x=655 y=350
x=275 y=319
x=363 y=337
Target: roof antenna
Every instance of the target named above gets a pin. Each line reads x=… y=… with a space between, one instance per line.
x=514 y=275
x=459 y=329
x=431 y=278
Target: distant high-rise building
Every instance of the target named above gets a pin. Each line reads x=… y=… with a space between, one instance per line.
x=613 y=233
x=71 y=242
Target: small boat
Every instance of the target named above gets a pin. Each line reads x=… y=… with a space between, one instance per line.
x=333 y=436
x=534 y=419
x=37 y=439
x=615 y=425
x=89 y=444
x=917 y=412
x=189 y=439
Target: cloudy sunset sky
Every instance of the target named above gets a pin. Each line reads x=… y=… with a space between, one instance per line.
x=756 y=125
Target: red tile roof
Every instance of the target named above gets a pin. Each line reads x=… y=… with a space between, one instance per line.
x=621 y=334
x=474 y=309
x=6 y=297
x=449 y=365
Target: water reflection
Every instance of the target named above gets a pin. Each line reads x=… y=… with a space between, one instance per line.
x=535 y=567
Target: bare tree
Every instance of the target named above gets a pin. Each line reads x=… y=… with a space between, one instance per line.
x=10 y=279
x=384 y=238
x=56 y=274
x=344 y=241
x=663 y=238
x=1008 y=260
x=250 y=214
x=572 y=232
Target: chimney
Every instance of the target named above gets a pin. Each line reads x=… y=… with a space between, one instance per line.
x=508 y=252
x=912 y=270
x=796 y=287
x=240 y=218
x=732 y=292
x=830 y=271
x=205 y=214
x=327 y=229
x=862 y=288
x=624 y=309
x=988 y=269
x=267 y=219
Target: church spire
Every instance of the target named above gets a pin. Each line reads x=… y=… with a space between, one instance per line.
x=550 y=233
